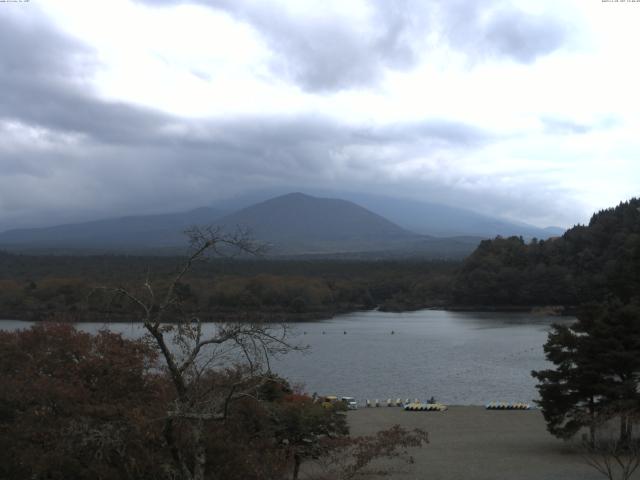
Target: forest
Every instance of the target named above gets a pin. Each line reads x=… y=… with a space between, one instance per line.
x=587 y=263
x=68 y=287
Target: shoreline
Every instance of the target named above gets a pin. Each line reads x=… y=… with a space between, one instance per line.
x=293 y=317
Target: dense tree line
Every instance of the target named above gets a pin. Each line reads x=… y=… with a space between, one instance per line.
x=587 y=263
x=40 y=287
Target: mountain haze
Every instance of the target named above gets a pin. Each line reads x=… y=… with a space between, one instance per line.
x=424 y=218
x=440 y=220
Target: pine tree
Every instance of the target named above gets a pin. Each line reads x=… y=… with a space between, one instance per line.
x=569 y=393
x=597 y=370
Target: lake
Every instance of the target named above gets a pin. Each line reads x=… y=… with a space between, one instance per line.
x=460 y=358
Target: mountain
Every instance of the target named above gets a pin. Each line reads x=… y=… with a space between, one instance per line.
x=445 y=221
x=291 y=225
x=299 y=223
x=425 y=218
x=132 y=232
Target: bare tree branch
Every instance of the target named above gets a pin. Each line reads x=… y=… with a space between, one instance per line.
x=192 y=359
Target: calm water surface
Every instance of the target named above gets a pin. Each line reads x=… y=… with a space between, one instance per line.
x=459 y=358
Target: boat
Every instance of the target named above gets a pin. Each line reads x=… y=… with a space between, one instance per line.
x=425 y=407
x=508 y=406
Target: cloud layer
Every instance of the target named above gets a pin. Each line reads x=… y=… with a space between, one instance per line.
x=70 y=152
x=326 y=50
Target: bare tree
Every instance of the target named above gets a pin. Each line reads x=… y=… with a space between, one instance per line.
x=192 y=352
x=345 y=458
x=614 y=456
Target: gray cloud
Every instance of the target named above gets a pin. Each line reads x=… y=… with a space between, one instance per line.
x=562 y=126
x=208 y=161
x=498 y=29
x=68 y=155
x=521 y=37
x=41 y=74
x=328 y=53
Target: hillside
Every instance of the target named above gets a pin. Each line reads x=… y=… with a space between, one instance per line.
x=298 y=223
x=586 y=264
x=440 y=220
x=424 y=218
x=132 y=232
x=291 y=224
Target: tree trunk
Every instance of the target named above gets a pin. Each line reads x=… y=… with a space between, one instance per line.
x=296 y=466
x=592 y=424
x=175 y=451
x=624 y=430
x=199 y=451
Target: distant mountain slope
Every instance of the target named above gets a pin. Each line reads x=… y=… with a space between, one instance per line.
x=138 y=232
x=425 y=218
x=298 y=223
x=445 y=221
x=292 y=224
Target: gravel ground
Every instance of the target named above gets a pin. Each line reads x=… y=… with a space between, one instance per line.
x=473 y=443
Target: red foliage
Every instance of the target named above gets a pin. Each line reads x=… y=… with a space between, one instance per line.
x=75 y=405
x=80 y=406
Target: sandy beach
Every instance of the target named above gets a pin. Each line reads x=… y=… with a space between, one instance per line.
x=469 y=442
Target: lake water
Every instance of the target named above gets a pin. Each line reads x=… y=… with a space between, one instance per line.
x=460 y=358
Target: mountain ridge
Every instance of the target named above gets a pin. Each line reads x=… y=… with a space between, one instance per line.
x=295 y=223
x=298 y=219
x=126 y=231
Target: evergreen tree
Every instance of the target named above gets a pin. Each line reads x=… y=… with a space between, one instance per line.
x=568 y=393
x=587 y=263
x=611 y=337
x=597 y=370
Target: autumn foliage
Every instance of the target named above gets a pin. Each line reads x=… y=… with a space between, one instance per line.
x=74 y=405
x=80 y=406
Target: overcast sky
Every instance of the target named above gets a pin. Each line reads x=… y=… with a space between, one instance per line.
x=527 y=110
